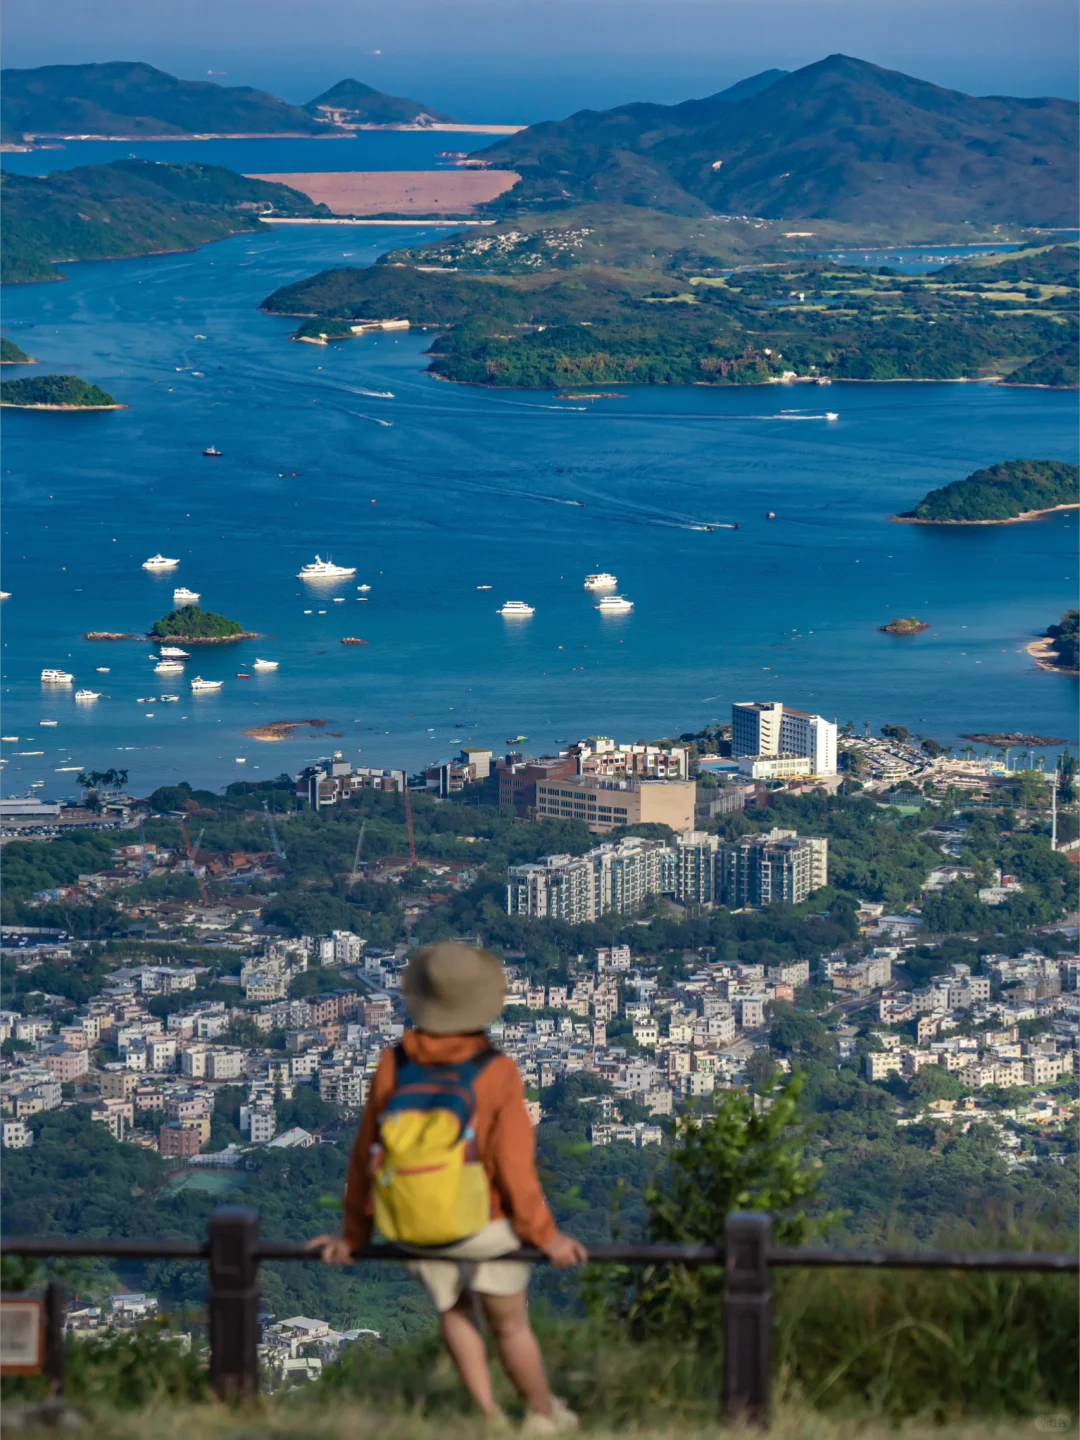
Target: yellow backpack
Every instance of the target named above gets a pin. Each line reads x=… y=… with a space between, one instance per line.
x=429 y=1185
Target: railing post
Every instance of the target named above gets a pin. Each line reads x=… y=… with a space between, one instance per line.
x=234 y=1301
x=55 y=1309
x=747 y=1319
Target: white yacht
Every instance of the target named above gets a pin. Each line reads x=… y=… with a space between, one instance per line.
x=169 y=699
x=614 y=605
x=602 y=581
x=321 y=569
x=5 y=594
x=102 y=669
x=363 y=587
x=183 y=596
x=159 y=562
x=517 y=608
x=52 y=723
x=168 y=667
x=85 y=695
x=265 y=664
x=56 y=677
x=199 y=684
x=173 y=652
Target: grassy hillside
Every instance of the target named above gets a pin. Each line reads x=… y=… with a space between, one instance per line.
x=131 y=207
x=357 y=104
x=132 y=99
x=1003 y=491
x=65 y=390
x=840 y=138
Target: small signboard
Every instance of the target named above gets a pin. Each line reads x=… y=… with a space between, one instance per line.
x=22 y=1336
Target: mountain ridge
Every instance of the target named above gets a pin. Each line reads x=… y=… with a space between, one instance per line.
x=351 y=102
x=839 y=139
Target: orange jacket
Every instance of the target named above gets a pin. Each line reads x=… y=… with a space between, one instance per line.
x=504 y=1138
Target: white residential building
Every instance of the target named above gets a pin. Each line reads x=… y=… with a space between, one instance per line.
x=772 y=730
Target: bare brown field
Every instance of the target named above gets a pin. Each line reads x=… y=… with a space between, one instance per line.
x=396 y=192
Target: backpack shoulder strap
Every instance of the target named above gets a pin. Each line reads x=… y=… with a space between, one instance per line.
x=483 y=1058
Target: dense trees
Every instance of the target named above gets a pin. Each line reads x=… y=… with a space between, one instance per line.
x=1002 y=491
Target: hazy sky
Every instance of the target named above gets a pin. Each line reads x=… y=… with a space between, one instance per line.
x=524 y=59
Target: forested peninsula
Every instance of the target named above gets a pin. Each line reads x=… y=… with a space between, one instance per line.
x=1000 y=494
x=796 y=319
x=12 y=354
x=55 y=392
x=129 y=208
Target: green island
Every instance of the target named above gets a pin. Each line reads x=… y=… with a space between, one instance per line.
x=684 y=323
x=1000 y=494
x=133 y=100
x=129 y=208
x=318 y=332
x=12 y=354
x=192 y=623
x=55 y=392
x=908 y=625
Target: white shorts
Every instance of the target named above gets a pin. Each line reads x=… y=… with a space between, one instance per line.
x=473 y=1265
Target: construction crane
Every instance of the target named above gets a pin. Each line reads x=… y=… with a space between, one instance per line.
x=142 y=845
x=192 y=851
x=356 y=858
x=274 y=841
x=408 y=822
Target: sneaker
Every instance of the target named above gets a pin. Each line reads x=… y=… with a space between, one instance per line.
x=561 y=1421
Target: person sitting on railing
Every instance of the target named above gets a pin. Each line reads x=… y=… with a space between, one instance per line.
x=444 y=1164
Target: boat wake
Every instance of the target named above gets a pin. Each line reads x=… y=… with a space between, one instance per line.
x=386 y=424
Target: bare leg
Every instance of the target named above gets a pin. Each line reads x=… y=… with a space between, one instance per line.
x=469 y=1352
x=508 y=1319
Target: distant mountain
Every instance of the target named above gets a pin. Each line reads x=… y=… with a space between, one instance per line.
x=350 y=102
x=840 y=139
x=132 y=99
x=132 y=207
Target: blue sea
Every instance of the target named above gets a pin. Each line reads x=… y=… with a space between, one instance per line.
x=433 y=490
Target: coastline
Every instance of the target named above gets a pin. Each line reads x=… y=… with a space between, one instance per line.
x=282 y=729
x=1041 y=650
x=1011 y=520
x=13 y=405
x=346 y=133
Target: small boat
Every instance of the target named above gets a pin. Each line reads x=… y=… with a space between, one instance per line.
x=29 y=752
x=352 y=640
x=831 y=415
x=770 y=514
x=183 y=596
x=86 y=695
x=199 y=684
x=169 y=699
x=339 y=599
x=51 y=723
x=265 y=664
x=614 y=605
x=173 y=652
x=601 y=581
x=10 y=739
x=483 y=587
x=517 y=609
x=516 y=739
x=212 y=451
x=5 y=594
x=159 y=562
x=56 y=677
x=168 y=667
x=241 y=760
x=368 y=587
x=321 y=569
x=309 y=612
x=102 y=669
x=243 y=675
x=66 y=770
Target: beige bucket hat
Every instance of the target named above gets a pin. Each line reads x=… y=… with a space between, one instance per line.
x=453 y=989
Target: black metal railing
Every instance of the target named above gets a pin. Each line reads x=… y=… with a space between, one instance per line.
x=234 y=1253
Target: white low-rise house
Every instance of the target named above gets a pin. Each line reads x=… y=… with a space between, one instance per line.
x=15 y=1135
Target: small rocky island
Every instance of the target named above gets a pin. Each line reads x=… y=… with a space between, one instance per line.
x=195 y=626
x=56 y=392
x=909 y=625
x=1001 y=495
